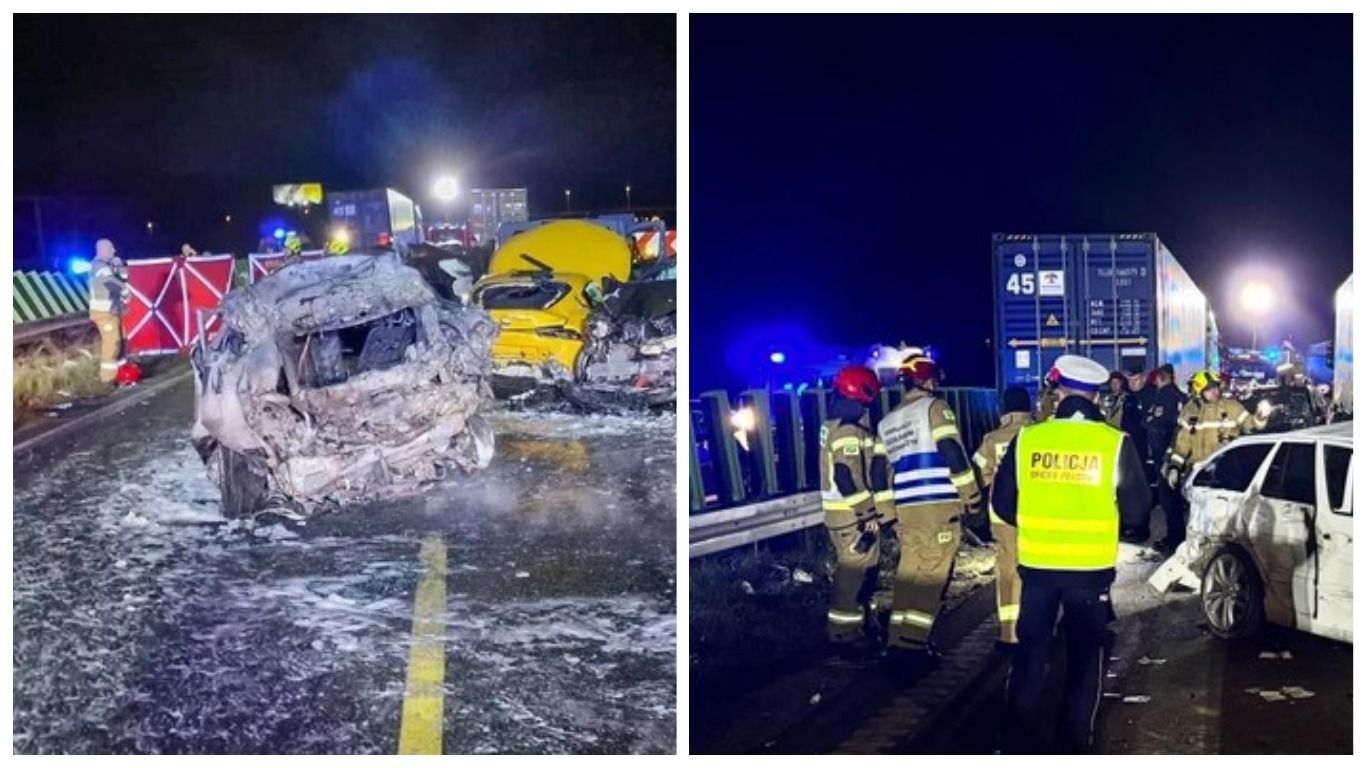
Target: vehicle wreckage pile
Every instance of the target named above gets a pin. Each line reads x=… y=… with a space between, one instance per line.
x=338 y=380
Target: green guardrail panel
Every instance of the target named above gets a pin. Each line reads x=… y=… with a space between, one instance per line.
x=790 y=440
x=697 y=493
x=725 y=458
x=59 y=294
x=814 y=403
x=763 y=460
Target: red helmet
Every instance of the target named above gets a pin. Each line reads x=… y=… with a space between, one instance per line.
x=128 y=373
x=857 y=383
x=918 y=369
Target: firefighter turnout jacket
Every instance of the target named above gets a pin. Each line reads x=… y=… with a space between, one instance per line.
x=1203 y=427
x=994 y=445
x=853 y=474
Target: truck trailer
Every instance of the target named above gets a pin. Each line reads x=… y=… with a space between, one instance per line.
x=374 y=218
x=1122 y=300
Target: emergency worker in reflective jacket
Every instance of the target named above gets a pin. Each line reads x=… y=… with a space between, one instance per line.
x=854 y=491
x=1069 y=486
x=932 y=482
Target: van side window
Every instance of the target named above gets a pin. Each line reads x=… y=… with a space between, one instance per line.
x=1291 y=475
x=1233 y=470
x=1336 y=461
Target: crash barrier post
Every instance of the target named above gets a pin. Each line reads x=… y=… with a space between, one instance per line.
x=785 y=416
x=696 y=494
x=721 y=447
x=761 y=455
x=261 y=264
x=49 y=295
x=166 y=295
x=813 y=412
x=787 y=433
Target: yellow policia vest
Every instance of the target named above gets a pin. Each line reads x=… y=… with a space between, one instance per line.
x=1067 y=513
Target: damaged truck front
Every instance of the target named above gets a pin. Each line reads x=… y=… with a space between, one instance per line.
x=339 y=380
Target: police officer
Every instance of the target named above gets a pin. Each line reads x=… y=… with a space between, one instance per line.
x=1015 y=415
x=108 y=303
x=1206 y=422
x=1068 y=485
x=854 y=485
x=931 y=482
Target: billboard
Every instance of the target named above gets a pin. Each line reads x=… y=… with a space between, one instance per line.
x=307 y=193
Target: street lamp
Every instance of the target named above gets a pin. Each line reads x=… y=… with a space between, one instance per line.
x=446 y=189
x=566 y=201
x=628 y=197
x=1256 y=299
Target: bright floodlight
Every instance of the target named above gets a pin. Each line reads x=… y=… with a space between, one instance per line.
x=1257 y=297
x=446 y=189
x=777 y=358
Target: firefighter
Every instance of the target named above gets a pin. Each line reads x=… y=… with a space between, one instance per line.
x=854 y=488
x=294 y=245
x=1205 y=423
x=1015 y=411
x=108 y=303
x=1069 y=486
x=932 y=480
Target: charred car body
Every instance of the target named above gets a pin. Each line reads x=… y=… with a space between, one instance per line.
x=340 y=379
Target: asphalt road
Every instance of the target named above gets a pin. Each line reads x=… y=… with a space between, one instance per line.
x=146 y=623
x=1187 y=691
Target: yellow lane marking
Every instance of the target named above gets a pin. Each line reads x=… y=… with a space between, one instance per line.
x=422 y=727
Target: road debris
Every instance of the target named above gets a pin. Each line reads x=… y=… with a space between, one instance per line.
x=815 y=699
x=802 y=577
x=1137 y=698
x=1147 y=660
x=1276 y=655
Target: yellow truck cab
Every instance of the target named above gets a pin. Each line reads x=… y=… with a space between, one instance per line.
x=540 y=290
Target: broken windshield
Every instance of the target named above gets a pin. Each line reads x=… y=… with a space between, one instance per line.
x=537 y=295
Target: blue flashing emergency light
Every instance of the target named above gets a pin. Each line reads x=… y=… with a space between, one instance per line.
x=777 y=358
x=279 y=233
x=78 y=265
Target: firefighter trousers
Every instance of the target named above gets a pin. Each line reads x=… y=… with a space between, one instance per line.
x=1007 y=577
x=853 y=572
x=929 y=535
x=111 y=344
x=1086 y=613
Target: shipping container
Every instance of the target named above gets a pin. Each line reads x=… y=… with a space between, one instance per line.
x=1122 y=300
x=1342 y=348
x=374 y=217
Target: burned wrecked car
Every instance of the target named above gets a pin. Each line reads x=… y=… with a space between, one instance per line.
x=336 y=380
x=630 y=351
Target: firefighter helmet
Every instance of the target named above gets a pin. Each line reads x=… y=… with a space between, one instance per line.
x=857 y=383
x=1203 y=380
x=916 y=370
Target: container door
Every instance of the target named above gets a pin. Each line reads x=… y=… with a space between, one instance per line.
x=1031 y=286
x=1116 y=298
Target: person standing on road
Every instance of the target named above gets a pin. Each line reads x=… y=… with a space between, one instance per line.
x=854 y=491
x=108 y=302
x=1015 y=415
x=1069 y=486
x=1164 y=409
x=932 y=480
x=1205 y=423
x=1112 y=402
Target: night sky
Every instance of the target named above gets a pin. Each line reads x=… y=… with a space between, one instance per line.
x=846 y=174
x=183 y=118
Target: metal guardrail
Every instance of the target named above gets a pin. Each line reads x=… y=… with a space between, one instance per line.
x=42 y=296
x=766 y=483
x=725 y=529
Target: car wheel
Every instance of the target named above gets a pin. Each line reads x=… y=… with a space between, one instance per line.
x=241 y=482
x=1231 y=594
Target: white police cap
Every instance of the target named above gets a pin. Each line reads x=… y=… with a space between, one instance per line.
x=1077 y=372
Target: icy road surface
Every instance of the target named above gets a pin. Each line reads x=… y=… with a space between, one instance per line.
x=144 y=622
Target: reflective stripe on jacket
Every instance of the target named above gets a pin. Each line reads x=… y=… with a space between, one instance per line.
x=920 y=475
